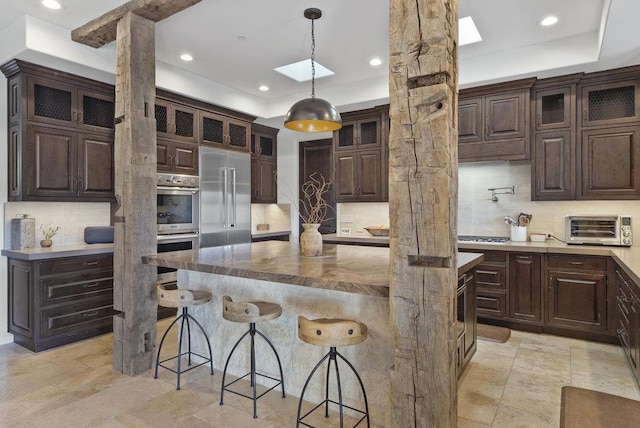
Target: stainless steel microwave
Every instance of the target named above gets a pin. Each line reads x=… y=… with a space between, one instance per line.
x=599 y=230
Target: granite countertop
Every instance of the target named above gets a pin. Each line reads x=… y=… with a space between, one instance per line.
x=268 y=233
x=627 y=257
x=58 y=251
x=354 y=269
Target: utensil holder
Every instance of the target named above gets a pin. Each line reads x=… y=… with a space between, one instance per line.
x=518 y=233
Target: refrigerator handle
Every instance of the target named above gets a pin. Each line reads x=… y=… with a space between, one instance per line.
x=233 y=196
x=225 y=197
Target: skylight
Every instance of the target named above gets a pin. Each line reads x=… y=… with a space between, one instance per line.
x=301 y=71
x=467 y=31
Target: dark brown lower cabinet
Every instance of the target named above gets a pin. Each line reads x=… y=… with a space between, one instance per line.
x=628 y=328
x=491 y=284
x=466 y=320
x=58 y=301
x=577 y=292
x=525 y=288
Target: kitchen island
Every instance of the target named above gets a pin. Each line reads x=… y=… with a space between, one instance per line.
x=346 y=282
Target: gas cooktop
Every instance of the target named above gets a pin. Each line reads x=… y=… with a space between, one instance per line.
x=472 y=238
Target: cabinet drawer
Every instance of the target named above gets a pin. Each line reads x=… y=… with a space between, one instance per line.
x=491 y=277
x=69 y=318
x=491 y=303
x=70 y=288
x=492 y=257
x=72 y=264
x=577 y=262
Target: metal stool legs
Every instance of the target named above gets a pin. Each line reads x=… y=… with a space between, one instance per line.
x=184 y=319
x=333 y=355
x=252 y=332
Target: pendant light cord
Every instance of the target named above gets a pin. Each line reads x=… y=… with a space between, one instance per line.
x=313 y=57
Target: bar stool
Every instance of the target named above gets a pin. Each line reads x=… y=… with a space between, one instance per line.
x=332 y=333
x=182 y=298
x=250 y=312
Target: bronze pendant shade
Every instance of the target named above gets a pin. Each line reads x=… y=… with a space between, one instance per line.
x=313 y=114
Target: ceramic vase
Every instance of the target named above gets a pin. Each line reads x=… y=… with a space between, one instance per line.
x=46 y=243
x=311 y=240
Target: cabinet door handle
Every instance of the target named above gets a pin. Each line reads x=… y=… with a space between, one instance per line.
x=620 y=331
x=74 y=116
x=94 y=284
x=576 y=263
x=524 y=257
x=80 y=117
x=91 y=263
x=90 y=314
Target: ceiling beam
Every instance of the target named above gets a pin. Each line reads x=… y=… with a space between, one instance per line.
x=103 y=29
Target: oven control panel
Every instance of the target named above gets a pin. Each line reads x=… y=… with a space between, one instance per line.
x=177 y=180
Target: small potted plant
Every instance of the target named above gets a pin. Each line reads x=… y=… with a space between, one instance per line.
x=48 y=231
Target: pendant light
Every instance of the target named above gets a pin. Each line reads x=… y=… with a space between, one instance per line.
x=313 y=114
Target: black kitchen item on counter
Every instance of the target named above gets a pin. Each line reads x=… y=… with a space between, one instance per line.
x=98 y=235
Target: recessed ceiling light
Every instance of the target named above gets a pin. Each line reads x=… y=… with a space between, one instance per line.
x=264 y=88
x=549 y=20
x=301 y=70
x=375 y=61
x=186 y=57
x=467 y=31
x=51 y=4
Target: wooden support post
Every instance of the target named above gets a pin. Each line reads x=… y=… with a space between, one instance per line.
x=135 y=219
x=423 y=211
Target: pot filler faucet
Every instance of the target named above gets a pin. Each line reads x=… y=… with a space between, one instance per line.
x=507 y=191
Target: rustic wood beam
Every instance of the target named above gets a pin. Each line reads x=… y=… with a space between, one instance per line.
x=135 y=220
x=423 y=191
x=102 y=30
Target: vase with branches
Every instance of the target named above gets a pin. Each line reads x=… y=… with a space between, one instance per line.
x=313 y=210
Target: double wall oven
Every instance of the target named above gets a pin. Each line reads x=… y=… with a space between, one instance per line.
x=178 y=211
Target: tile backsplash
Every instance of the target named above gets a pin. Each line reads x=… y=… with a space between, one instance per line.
x=72 y=217
x=478 y=215
x=278 y=216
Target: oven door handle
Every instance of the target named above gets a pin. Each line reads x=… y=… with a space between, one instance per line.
x=177 y=237
x=193 y=190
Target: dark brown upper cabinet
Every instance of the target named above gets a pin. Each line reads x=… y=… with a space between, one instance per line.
x=361 y=161
x=553 y=150
x=264 y=149
x=493 y=122
x=177 y=157
x=175 y=121
x=60 y=135
x=224 y=132
x=58 y=103
x=359 y=133
x=608 y=104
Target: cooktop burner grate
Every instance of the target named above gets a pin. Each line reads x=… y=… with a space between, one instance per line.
x=472 y=238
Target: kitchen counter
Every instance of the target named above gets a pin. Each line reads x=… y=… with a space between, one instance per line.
x=353 y=269
x=627 y=257
x=55 y=252
x=269 y=233
x=346 y=282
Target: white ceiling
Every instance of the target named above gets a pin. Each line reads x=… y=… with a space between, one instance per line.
x=591 y=35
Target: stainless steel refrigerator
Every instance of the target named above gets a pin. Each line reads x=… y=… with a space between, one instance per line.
x=225 y=197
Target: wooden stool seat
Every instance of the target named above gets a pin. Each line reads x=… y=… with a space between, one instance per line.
x=180 y=298
x=331 y=332
x=249 y=312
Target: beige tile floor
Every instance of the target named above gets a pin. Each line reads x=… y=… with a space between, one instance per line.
x=515 y=384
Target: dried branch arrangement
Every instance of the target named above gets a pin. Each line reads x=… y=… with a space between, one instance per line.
x=314 y=207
